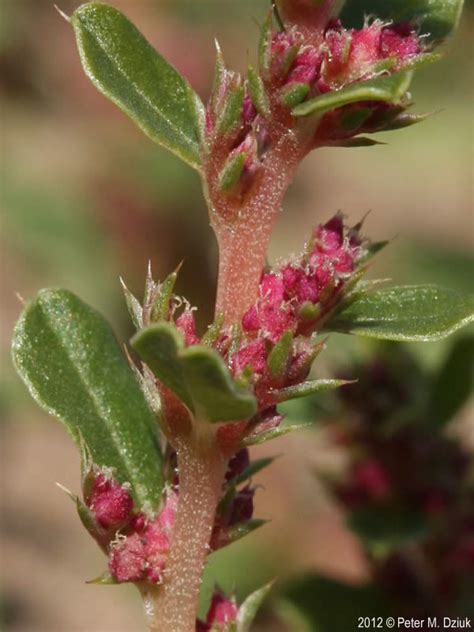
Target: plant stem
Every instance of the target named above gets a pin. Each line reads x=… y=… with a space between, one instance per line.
x=243 y=239
x=173 y=606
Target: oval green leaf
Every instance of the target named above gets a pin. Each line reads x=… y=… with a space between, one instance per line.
x=158 y=346
x=387 y=88
x=72 y=364
x=196 y=374
x=128 y=70
x=412 y=312
x=436 y=18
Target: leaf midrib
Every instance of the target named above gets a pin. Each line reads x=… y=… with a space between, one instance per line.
x=97 y=405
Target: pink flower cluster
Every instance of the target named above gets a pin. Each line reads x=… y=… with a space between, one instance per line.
x=368 y=482
x=300 y=71
x=344 y=56
x=293 y=300
x=312 y=280
x=136 y=544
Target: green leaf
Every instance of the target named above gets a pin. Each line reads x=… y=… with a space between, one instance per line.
x=387 y=88
x=238 y=531
x=215 y=394
x=255 y=466
x=280 y=431
x=68 y=357
x=249 y=608
x=453 y=384
x=307 y=388
x=197 y=374
x=128 y=70
x=412 y=312
x=383 y=528
x=325 y=605
x=437 y=18
x=158 y=346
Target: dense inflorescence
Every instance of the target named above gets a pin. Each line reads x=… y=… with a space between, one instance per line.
x=274 y=346
x=137 y=543
x=246 y=119
x=271 y=350
x=403 y=471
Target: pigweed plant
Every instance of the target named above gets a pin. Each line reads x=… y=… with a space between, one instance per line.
x=166 y=475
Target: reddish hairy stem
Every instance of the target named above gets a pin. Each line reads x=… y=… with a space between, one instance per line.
x=173 y=606
x=243 y=234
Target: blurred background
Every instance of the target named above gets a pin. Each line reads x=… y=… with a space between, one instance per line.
x=86 y=197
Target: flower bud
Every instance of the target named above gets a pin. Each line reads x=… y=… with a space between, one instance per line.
x=222 y=613
x=186 y=324
x=142 y=552
x=127 y=559
x=109 y=502
x=237 y=464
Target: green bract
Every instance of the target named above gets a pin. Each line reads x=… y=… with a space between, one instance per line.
x=128 y=70
x=248 y=610
x=68 y=357
x=412 y=312
x=196 y=374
